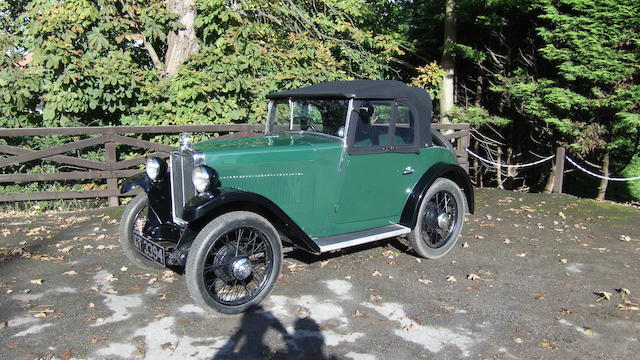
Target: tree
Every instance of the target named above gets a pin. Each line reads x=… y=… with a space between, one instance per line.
x=586 y=90
x=98 y=62
x=447 y=99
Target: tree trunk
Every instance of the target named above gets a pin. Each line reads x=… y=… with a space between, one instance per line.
x=447 y=98
x=602 y=189
x=182 y=43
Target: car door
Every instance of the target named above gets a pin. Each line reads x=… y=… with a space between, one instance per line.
x=381 y=166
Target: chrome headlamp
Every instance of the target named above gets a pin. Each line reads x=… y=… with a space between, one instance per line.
x=204 y=178
x=155 y=168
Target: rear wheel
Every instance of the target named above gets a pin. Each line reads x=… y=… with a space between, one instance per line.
x=440 y=220
x=133 y=219
x=234 y=262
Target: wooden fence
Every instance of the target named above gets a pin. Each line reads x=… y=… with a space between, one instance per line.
x=113 y=169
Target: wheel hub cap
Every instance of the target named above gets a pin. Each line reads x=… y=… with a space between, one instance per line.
x=443 y=221
x=241 y=268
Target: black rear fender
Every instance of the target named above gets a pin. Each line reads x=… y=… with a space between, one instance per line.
x=440 y=170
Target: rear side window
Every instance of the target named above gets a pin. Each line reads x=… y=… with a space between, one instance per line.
x=404 y=132
x=382 y=126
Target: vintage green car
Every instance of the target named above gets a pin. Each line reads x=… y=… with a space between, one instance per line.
x=340 y=164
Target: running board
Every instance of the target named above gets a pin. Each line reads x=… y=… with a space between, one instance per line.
x=336 y=242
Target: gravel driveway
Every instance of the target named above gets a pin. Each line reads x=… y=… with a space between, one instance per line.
x=533 y=276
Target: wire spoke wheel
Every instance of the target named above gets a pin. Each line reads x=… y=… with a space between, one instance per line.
x=438 y=224
x=237 y=265
x=234 y=262
x=439 y=220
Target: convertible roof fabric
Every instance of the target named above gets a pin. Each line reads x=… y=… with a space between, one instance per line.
x=358 y=89
x=416 y=98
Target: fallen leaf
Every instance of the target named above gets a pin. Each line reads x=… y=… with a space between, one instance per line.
x=124 y=268
x=479 y=237
x=628 y=306
x=517 y=340
x=152 y=281
x=348 y=277
x=473 y=277
x=548 y=346
x=112 y=291
x=561 y=214
x=625 y=238
x=603 y=295
x=71 y=272
x=409 y=327
x=624 y=291
x=358 y=314
x=44 y=313
x=522 y=255
x=564 y=261
x=451 y=279
x=376 y=273
x=425 y=281
x=66 y=250
x=419 y=260
x=66 y=355
x=507 y=241
x=96 y=340
x=37 y=281
x=375 y=298
x=465 y=245
x=135 y=287
x=110 y=278
x=323 y=263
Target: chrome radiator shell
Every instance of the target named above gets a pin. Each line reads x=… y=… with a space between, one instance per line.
x=182 y=189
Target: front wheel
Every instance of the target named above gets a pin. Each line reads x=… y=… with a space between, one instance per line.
x=440 y=220
x=234 y=262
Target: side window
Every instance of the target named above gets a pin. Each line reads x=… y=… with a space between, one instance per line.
x=281 y=115
x=405 y=128
x=372 y=125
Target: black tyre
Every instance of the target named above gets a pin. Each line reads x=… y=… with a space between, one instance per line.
x=234 y=262
x=440 y=220
x=133 y=219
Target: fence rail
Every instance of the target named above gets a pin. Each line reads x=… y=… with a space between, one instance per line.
x=113 y=169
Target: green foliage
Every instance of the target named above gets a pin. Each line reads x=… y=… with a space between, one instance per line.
x=256 y=48
x=477 y=117
x=588 y=93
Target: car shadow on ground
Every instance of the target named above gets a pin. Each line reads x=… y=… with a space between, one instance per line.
x=397 y=243
x=304 y=341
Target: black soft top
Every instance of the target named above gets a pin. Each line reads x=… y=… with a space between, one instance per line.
x=416 y=98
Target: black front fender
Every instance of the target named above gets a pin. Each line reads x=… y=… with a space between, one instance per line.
x=450 y=171
x=141 y=180
x=205 y=207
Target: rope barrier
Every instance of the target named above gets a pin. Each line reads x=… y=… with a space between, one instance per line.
x=598 y=175
x=510 y=166
x=578 y=166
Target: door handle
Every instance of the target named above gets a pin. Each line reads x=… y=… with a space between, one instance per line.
x=408 y=170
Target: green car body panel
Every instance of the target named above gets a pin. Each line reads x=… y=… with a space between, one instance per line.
x=317 y=183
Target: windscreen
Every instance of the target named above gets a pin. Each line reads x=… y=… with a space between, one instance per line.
x=326 y=117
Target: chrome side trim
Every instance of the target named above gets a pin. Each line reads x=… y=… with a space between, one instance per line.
x=336 y=242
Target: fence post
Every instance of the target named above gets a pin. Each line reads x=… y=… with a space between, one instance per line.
x=559 y=173
x=112 y=183
x=465 y=141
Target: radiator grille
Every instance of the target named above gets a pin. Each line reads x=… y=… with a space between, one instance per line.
x=181 y=185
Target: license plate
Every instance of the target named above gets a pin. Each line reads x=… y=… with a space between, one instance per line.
x=148 y=248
